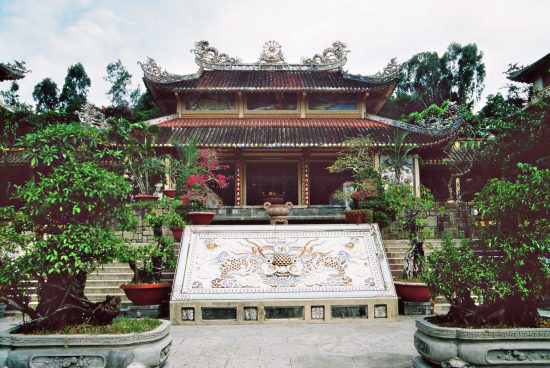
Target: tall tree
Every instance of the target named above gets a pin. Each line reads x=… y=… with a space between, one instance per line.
x=11 y=96
x=75 y=90
x=46 y=95
x=427 y=79
x=121 y=81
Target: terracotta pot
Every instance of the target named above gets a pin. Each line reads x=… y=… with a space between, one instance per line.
x=412 y=291
x=201 y=218
x=275 y=199
x=147 y=294
x=177 y=233
x=170 y=193
x=146 y=198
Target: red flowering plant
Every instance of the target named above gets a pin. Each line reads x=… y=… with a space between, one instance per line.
x=196 y=181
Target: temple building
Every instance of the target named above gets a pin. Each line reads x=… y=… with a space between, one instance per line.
x=279 y=125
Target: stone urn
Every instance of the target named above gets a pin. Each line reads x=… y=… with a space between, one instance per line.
x=278 y=213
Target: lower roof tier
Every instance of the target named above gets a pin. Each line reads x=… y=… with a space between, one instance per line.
x=290 y=132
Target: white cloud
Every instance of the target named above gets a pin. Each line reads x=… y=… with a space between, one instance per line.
x=51 y=35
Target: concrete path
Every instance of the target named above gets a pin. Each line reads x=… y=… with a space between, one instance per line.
x=367 y=345
x=377 y=344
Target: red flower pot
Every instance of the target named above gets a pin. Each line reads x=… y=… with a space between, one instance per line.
x=177 y=233
x=412 y=291
x=201 y=218
x=146 y=198
x=170 y=193
x=147 y=294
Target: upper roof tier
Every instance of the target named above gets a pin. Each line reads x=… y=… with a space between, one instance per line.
x=219 y=72
x=9 y=71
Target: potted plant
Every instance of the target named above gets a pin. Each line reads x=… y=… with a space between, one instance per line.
x=195 y=184
x=142 y=162
x=506 y=269
x=175 y=222
x=367 y=194
x=410 y=212
x=147 y=262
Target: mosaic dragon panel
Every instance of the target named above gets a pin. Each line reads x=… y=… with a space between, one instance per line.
x=288 y=262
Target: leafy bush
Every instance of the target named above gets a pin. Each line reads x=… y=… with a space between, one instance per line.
x=507 y=267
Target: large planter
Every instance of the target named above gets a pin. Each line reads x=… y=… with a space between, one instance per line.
x=201 y=218
x=147 y=294
x=148 y=349
x=465 y=347
x=412 y=291
x=278 y=213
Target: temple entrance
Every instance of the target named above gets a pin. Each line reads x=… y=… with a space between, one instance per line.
x=271 y=178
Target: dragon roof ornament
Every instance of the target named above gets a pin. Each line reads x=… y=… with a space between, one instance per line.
x=389 y=73
x=271 y=58
x=155 y=73
x=17 y=69
x=446 y=124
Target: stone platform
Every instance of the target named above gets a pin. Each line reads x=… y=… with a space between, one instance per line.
x=290 y=273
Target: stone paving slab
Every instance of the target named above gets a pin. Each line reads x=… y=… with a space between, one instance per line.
x=378 y=344
x=373 y=345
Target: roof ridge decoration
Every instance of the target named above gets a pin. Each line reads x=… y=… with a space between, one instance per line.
x=155 y=73
x=389 y=73
x=448 y=123
x=271 y=58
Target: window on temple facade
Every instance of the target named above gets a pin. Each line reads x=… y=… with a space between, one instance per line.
x=271 y=101
x=332 y=101
x=210 y=102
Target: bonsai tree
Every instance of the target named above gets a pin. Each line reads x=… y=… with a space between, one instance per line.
x=148 y=261
x=368 y=190
x=410 y=212
x=68 y=217
x=507 y=266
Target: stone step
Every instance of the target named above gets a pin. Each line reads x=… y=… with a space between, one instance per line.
x=123 y=276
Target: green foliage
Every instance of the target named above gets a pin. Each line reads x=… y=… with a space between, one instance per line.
x=516 y=135
x=173 y=220
x=120 y=80
x=519 y=226
x=11 y=98
x=398 y=153
x=121 y=325
x=46 y=95
x=75 y=89
x=357 y=156
x=427 y=79
x=507 y=266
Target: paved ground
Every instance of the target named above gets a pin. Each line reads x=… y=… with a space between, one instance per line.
x=367 y=345
x=378 y=344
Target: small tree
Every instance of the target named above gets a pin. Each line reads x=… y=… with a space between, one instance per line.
x=69 y=215
x=511 y=273
x=410 y=212
x=46 y=95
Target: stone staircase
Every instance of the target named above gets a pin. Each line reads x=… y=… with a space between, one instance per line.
x=107 y=279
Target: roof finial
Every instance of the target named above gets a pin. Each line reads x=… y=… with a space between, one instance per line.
x=272 y=53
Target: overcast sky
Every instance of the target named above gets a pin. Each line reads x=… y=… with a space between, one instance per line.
x=50 y=35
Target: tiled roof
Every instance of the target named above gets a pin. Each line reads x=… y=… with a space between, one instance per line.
x=273 y=80
x=284 y=132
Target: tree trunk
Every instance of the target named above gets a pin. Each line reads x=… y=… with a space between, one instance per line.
x=61 y=303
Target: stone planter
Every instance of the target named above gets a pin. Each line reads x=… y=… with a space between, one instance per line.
x=412 y=291
x=465 y=347
x=147 y=349
x=278 y=213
